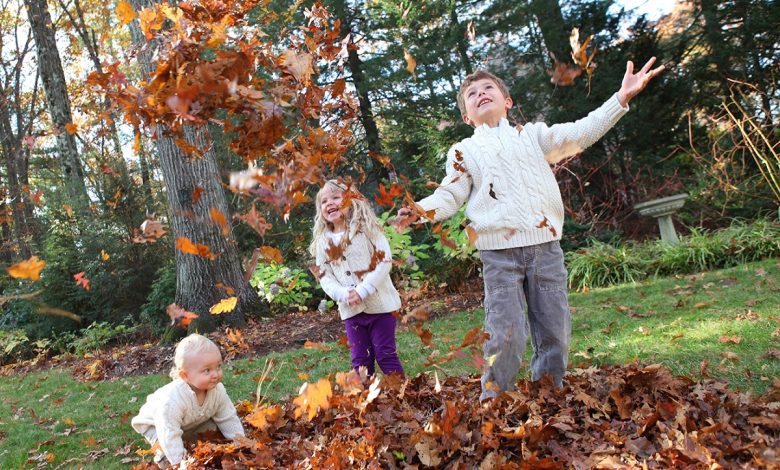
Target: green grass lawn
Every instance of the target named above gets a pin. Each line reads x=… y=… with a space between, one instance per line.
x=727 y=318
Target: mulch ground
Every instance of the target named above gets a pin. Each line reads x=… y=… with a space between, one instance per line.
x=144 y=355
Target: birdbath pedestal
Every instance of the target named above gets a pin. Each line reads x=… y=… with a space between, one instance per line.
x=662 y=209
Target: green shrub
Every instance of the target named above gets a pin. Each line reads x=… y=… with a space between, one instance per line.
x=603 y=264
x=282 y=287
x=163 y=293
x=407 y=256
x=93 y=337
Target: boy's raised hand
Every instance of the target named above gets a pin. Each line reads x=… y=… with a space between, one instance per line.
x=633 y=83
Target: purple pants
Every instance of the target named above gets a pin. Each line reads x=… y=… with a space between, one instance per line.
x=371 y=337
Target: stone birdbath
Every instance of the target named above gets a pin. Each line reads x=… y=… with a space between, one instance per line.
x=662 y=209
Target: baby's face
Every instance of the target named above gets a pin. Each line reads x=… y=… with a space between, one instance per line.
x=203 y=371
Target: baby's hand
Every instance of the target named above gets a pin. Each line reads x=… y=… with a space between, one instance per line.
x=354 y=298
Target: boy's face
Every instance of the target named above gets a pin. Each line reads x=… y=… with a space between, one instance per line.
x=485 y=104
x=203 y=371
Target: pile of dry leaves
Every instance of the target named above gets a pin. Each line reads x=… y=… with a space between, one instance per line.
x=607 y=417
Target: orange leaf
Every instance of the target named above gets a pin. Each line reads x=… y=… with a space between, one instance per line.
x=472 y=235
x=179 y=315
x=264 y=417
x=125 y=12
x=81 y=280
x=272 y=254
x=420 y=314
x=337 y=89
x=313 y=345
x=71 y=128
x=104 y=256
x=196 y=194
x=411 y=63
x=184 y=245
x=312 y=398
x=425 y=335
x=299 y=65
x=219 y=218
x=28 y=269
x=385 y=197
x=563 y=74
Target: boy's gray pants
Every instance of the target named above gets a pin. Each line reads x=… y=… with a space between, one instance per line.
x=529 y=281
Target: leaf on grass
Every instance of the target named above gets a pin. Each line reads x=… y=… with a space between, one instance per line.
x=730 y=339
x=224 y=306
x=312 y=345
x=312 y=398
x=29 y=269
x=179 y=315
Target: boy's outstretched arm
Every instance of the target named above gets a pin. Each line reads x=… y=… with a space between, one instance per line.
x=633 y=83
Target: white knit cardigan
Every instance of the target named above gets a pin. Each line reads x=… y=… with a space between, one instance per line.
x=350 y=270
x=505 y=175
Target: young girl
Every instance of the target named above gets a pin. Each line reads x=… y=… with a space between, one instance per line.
x=354 y=261
x=195 y=402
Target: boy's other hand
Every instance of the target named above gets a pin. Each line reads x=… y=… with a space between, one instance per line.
x=406 y=216
x=633 y=83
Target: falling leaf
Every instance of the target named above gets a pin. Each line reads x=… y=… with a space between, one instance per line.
x=313 y=398
x=81 y=280
x=411 y=64
x=271 y=254
x=179 y=315
x=71 y=128
x=125 y=12
x=219 y=218
x=425 y=335
x=104 y=256
x=385 y=196
x=29 y=269
x=224 y=306
x=471 y=32
x=196 y=194
x=563 y=74
x=420 y=313
x=299 y=64
x=184 y=245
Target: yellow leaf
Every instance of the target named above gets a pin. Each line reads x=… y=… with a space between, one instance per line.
x=411 y=63
x=104 y=256
x=29 y=269
x=312 y=398
x=224 y=306
x=68 y=422
x=263 y=417
x=125 y=12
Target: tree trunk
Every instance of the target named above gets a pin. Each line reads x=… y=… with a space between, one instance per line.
x=554 y=30
x=54 y=85
x=197 y=277
x=355 y=65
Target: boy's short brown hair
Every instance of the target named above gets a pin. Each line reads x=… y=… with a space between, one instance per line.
x=473 y=77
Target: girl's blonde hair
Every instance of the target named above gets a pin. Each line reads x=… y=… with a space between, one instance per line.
x=360 y=217
x=188 y=347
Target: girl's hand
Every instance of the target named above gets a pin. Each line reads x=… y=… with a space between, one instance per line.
x=633 y=83
x=354 y=298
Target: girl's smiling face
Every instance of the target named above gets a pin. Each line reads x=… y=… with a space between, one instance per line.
x=331 y=200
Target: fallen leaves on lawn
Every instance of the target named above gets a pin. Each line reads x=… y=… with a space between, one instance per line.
x=605 y=417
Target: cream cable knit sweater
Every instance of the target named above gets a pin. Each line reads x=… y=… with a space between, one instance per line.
x=505 y=175
x=173 y=409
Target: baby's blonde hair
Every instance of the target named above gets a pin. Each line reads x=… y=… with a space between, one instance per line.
x=360 y=217
x=188 y=347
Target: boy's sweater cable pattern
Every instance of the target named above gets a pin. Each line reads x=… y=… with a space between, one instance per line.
x=505 y=176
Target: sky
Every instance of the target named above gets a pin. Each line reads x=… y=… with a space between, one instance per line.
x=653 y=8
